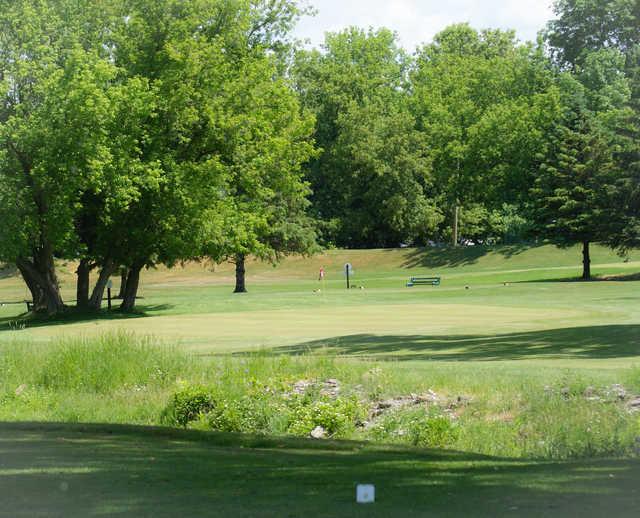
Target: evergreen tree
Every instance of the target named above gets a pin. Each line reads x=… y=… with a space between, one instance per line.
x=575 y=188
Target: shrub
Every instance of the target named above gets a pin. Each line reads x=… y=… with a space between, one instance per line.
x=186 y=406
x=419 y=427
x=248 y=414
x=337 y=416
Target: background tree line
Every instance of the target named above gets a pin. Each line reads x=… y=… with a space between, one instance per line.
x=477 y=136
x=142 y=132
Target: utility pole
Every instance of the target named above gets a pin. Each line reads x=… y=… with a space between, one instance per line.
x=456 y=215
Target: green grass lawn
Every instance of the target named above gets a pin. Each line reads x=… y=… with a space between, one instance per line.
x=509 y=328
x=74 y=470
x=195 y=307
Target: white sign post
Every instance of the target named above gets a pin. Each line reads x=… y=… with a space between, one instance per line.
x=365 y=494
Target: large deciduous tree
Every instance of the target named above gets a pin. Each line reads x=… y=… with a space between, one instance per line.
x=484 y=103
x=59 y=97
x=584 y=26
x=372 y=183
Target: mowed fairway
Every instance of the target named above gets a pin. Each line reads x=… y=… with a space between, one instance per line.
x=508 y=303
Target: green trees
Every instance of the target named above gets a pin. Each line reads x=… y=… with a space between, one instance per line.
x=267 y=140
x=599 y=41
x=584 y=26
x=575 y=188
x=144 y=132
x=371 y=184
x=130 y=130
x=483 y=103
x=58 y=100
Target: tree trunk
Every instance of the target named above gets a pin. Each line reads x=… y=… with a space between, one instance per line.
x=131 y=290
x=40 y=276
x=240 y=274
x=456 y=216
x=82 y=287
x=123 y=282
x=37 y=293
x=586 y=262
x=95 y=302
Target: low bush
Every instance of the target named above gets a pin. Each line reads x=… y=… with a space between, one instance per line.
x=337 y=417
x=428 y=428
x=186 y=406
x=261 y=413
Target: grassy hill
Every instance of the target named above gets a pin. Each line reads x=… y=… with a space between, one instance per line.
x=501 y=291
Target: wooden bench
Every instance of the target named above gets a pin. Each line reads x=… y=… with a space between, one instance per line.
x=424 y=281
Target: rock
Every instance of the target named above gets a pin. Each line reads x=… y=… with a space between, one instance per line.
x=300 y=387
x=634 y=405
x=619 y=391
x=565 y=391
x=318 y=433
x=21 y=389
x=589 y=392
x=330 y=388
x=460 y=401
x=404 y=401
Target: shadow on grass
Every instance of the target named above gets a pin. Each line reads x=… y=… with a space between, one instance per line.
x=77 y=470
x=73 y=316
x=8 y=271
x=632 y=277
x=592 y=342
x=459 y=256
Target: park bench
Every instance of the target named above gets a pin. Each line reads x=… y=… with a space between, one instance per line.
x=424 y=281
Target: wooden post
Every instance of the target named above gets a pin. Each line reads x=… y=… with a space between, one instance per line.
x=456 y=216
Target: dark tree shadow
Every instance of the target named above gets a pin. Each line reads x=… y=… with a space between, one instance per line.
x=593 y=342
x=7 y=271
x=633 y=277
x=84 y=470
x=459 y=256
x=73 y=316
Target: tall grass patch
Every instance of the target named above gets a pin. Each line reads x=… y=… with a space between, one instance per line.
x=511 y=412
x=97 y=365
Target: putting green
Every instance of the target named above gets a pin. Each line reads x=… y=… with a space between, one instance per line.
x=223 y=332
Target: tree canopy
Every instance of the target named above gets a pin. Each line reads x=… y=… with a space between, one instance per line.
x=135 y=133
